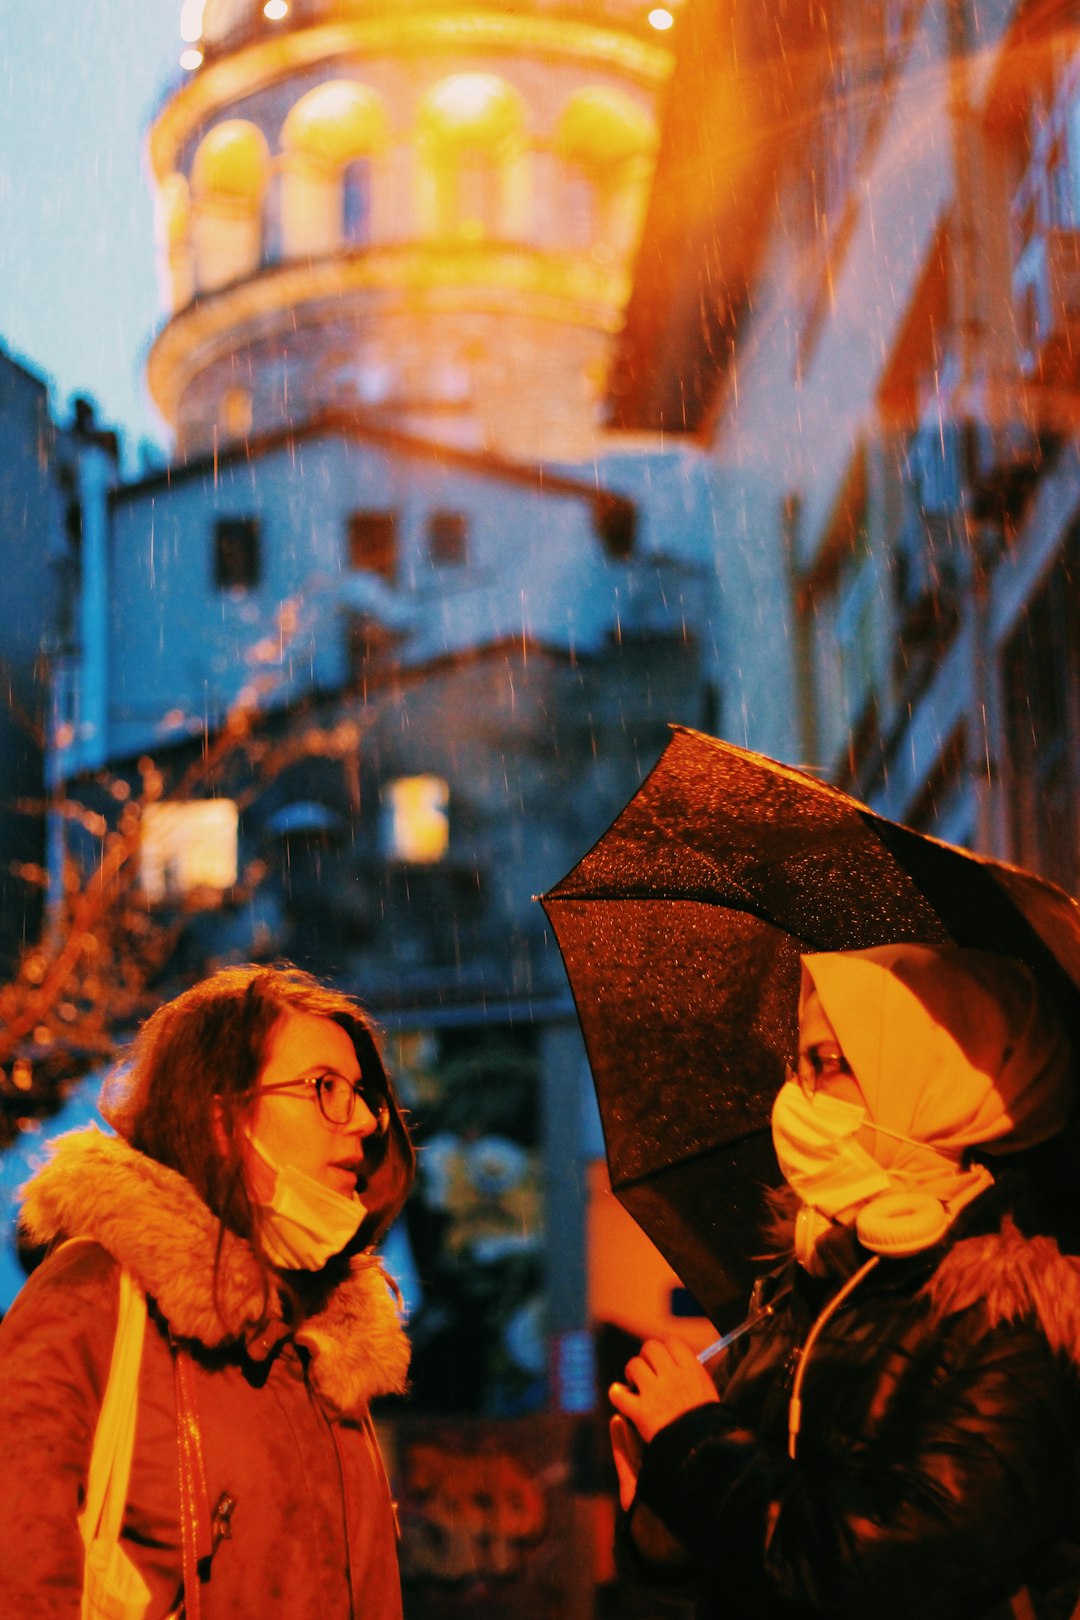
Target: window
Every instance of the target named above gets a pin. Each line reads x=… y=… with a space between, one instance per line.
x=448 y=539
x=471 y=132
x=615 y=523
x=373 y=543
x=479 y=195
x=271 y=220
x=1042 y=681
x=236 y=413
x=236 y=553
x=356 y=201
x=369 y=645
x=415 y=819
x=186 y=847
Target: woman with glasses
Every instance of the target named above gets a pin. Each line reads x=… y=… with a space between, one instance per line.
x=896 y=1433
x=259 y=1155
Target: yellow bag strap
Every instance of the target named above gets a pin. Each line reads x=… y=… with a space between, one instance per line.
x=114 y=1437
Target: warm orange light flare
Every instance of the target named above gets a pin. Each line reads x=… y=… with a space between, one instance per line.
x=661 y=18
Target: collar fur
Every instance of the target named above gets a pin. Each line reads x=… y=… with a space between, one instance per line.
x=1015 y=1278
x=151 y=1220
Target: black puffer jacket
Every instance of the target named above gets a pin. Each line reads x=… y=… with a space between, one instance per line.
x=937 y=1474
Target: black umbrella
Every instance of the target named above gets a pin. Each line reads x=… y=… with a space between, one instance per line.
x=681 y=931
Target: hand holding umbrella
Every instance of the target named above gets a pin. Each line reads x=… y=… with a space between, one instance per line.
x=664 y=1380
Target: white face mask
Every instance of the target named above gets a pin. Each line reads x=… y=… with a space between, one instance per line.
x=304 y=1223
x=819 y=1158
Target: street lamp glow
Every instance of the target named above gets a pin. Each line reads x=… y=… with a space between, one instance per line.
x=190 y=60
x=661 y=17
x=276 y=9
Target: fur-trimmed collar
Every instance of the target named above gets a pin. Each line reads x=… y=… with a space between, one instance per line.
x=1015 y=1278
x=151 y=1220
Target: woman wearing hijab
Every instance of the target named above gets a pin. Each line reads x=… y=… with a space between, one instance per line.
x=259 y=1155
x=897 y=1433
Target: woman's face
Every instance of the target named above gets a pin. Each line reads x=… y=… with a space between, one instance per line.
x=287 y=1121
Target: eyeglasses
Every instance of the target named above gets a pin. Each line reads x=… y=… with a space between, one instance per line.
x=817 y=1066
x=337 y=1097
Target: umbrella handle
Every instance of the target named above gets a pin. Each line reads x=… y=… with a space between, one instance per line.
x=712 y=1351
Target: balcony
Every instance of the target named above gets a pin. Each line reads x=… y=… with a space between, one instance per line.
x=218 y=27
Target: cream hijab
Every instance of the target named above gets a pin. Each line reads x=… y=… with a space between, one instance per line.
x=952 y=1048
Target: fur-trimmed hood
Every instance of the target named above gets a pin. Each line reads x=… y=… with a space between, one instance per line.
x=151 y=1220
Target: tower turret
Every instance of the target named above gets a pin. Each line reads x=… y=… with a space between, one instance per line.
x=423 y=211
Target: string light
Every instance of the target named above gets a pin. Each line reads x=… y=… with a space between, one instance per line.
x=190 y=60
x=661 y=18
x=276 y=9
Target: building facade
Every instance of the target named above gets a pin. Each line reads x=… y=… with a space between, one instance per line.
x=884 y=376
x=48 y=473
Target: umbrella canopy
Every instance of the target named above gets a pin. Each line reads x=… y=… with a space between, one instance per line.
x=681 y=932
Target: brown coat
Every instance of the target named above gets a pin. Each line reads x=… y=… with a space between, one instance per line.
x=284 y=1417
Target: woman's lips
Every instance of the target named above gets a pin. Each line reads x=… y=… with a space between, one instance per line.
x=350 y=1173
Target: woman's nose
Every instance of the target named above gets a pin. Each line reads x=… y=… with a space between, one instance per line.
x=363 y=1122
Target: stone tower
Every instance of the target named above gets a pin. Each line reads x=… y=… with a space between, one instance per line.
x=422 y=211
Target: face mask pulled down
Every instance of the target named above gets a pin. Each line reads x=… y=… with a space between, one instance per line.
x=304 y=1224
x=820 y=1159
x=837 y=1181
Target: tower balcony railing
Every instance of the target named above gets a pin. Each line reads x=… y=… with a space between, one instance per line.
x=222 y=26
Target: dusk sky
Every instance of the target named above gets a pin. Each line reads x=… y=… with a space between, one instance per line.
x=79 y=81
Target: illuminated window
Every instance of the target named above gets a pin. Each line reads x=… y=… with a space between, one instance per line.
x=473 y=157
x=229 y=175
x=415 y=819
x=331 y=143
x=271 y=220
x=607 y=143
x=373 y=543
x=236 y=553
x=448 y=539
x=370 y=645
x=356 y=201
x=236 y=413
x=186 y=847
x=475 y=204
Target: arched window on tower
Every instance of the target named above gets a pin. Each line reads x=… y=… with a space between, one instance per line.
x=356 y=201
x=607 y=143
x=474 y=160
x=331 y=144
x=271 y=223
x=229 y=176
